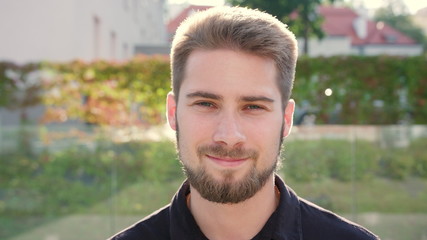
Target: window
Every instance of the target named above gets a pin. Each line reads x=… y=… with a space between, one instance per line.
x=96 y=37
x=390 y=38
x=113 y=44
x=135 y=10
x=125 y=54
x=126 y=5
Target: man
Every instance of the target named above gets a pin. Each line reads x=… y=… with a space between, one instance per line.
x=232 y=75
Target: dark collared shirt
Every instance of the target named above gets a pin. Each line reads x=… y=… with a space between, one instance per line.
x=294 y=219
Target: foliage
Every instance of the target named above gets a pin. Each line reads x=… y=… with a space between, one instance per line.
x=19 y=87
x=161 y=163
x=108 y=93
x=400 y=20
x=64 y=181
x=299 y=161
x=280 y=9
x=301 y=16
x=366 y=90
x=396 y=164
x=379 y=195
x=418 y=152
x=315 y=160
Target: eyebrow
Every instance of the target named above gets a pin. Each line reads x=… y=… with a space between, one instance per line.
x=256 y=99
x=204 y=95
x=213 y=96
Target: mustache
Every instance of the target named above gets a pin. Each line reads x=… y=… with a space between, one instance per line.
x=223 y=152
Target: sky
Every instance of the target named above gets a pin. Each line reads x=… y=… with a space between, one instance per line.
x=413 y=5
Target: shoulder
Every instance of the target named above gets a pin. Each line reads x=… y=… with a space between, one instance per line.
x=318 y=223
x=154 y=226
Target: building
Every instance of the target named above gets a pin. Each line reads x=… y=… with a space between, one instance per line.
x=347 y=33
x=351 y=33
x=174 y=23
x=65 y=30
x=178 y=13
x=79 y=29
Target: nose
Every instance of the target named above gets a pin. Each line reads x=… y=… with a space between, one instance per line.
x=229 y=131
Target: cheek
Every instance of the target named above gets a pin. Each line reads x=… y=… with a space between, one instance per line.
x=191 y=125
x=192 y=132
x=267 y=131
x=267 y=138
x=194 y=123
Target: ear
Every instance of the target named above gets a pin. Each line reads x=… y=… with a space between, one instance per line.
x=171 y=110
x=288 y=117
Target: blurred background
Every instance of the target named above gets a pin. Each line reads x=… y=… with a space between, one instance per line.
x=84 y=146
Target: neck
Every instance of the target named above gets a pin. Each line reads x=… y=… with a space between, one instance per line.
x=234 y=221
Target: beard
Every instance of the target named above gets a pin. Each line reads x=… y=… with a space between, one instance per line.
x=228 y=190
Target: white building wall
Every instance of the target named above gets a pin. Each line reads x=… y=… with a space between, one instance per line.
x=28 y=32
x=328 y=46
x=64 y=30
x=373 y=50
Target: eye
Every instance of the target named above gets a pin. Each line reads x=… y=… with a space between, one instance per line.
x=253 y=107
x=205 y=104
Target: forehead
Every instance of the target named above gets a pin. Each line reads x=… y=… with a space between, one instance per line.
x=229 y=71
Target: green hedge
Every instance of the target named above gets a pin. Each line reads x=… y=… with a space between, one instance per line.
x=357 y=82
x=314 y=160
x=74 y=178
x=78 y=176
x=366 y=90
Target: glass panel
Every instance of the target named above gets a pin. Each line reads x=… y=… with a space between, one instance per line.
x=67 y=182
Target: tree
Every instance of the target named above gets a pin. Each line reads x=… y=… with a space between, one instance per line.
x=393 y=15
x=300 y=15
x=278 y=8
x=20 y=88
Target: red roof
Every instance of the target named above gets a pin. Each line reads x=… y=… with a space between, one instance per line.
x=339 y=22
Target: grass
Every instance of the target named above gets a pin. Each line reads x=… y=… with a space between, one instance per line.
x=400 y=209
x=11 y=226
x=83 y=226
x=372 y=195
x=395 y=226
x=141 y=198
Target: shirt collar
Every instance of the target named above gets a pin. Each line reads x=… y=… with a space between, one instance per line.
x=183 y=225
x=283 y=224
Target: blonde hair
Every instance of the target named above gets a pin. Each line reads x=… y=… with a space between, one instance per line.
x=240 y=29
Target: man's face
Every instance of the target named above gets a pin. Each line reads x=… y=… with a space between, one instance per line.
x=229 y=122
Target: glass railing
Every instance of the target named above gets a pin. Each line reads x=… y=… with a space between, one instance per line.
x=77 y=181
